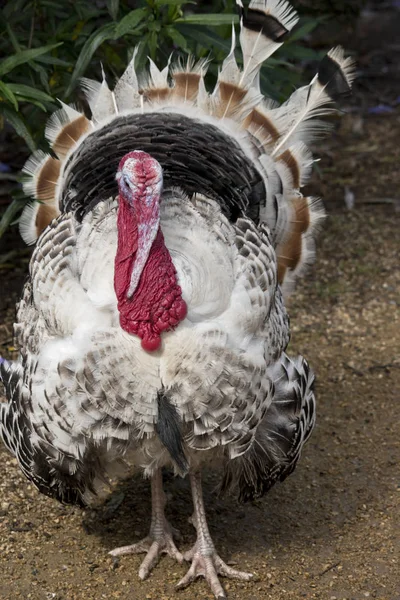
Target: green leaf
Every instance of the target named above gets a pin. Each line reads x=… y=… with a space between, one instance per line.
x=177 y=38
x=303 y=29
x=205 y=36
x=30 y=93
x=113 y=8
x=7 y=94
x=130 y=21
x=38 y=104
x=298 y=52
x=278 y=62
x=153 y=44
x=9 y=177
x=52 y=60
x=207 y=19
x=8 y=64
x=268 y=88
x=43 y=75
x=13 y=38
x=8 y=216
x=141 y=56
x=107 y=32
x=19 y=125
x=172 y=2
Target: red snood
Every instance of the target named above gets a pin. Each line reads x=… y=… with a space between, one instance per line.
x=157 y=303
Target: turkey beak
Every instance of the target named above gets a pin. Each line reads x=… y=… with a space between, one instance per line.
x=147 y=209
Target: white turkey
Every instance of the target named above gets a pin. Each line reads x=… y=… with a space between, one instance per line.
x=152 y=329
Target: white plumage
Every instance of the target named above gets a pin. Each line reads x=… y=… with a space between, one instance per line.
x=87 y=403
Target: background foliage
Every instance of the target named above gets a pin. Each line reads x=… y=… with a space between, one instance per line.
x=48 y=45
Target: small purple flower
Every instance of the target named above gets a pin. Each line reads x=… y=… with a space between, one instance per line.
x=380 y=109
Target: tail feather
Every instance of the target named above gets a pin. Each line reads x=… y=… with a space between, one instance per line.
x=101 y=99
x=65 y=128
x=230 y=95
x=42 y=176
x=188 y=80
x=42 y=173
x=260 y=122
x=263 y=29
x=294 y=166
x=297 y=251
x=126 y=91
x=334 y=79
x=273 y=138
x=155 y=86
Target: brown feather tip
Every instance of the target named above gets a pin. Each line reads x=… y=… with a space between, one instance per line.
x=155 y=94
x=231 y=97
x=44 y=216
x=69 y=135
x=47 y=178
x=186 y=85
x=291 y=163
x=34 y=219
x=261 y=126
x=289 y=253
x=301 y=223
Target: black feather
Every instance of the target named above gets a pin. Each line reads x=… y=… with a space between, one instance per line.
x=195 y=156
x=169 y=431
x=271 y=27
x=330 y=74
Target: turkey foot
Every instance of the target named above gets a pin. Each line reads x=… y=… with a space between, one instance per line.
x=205 y=560
x=160 y=538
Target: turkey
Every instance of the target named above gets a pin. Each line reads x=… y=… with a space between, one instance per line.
x=152 y=327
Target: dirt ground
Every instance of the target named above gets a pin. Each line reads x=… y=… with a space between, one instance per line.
x=331 y=530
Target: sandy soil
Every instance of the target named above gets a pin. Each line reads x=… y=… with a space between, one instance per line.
x=331 y=530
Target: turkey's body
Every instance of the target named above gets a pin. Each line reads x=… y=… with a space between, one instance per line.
x=89 y=402
x=96 y=391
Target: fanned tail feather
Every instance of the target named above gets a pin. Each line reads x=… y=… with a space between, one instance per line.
x=294 y=166
x=264 y=26
x=155 y=86
x=334 y=78
x=42 y=174
x=188 y=80
x=296 y=252
x=65 y=128
x=101 y=99
x=263 y=125
x=126 y=91
x=228 y=93
x=274 y=137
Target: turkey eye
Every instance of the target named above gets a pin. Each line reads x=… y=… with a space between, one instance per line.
x=127 y=182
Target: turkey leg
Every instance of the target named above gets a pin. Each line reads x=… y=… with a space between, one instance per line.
x=205 y=560
x=160 y=538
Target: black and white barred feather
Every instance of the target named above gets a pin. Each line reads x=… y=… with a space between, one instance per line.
x=281 y=435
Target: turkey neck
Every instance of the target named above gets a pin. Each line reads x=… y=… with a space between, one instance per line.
x=156 y=304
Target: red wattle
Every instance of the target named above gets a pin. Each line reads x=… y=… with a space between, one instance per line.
x=151 y=344
x=157 y=304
